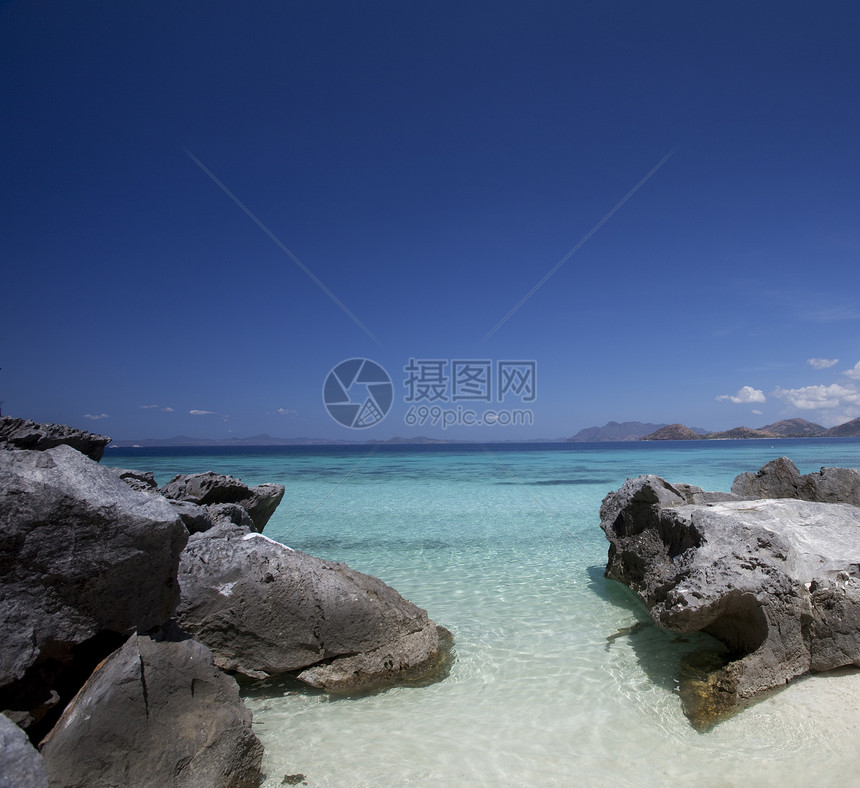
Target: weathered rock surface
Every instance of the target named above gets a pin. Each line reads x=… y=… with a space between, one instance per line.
x=780 y=478
x=195 y=518
x=265 y=610
x=201 y=518
x=230 y=514
x=26 y=434
x=20 y=763
x=156 y=712
x=212 y=488
x=777 y=581
x=142 y=481
x=81 y=556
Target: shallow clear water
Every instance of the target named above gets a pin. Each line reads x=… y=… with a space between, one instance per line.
x=502 y=546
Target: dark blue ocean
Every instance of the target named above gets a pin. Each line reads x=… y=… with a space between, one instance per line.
x=501 y=544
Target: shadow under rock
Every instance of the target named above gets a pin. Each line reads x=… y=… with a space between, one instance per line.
x=286 y=684
x=684 y=663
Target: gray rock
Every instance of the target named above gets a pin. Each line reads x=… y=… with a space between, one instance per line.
x=693 y=494
x=20 y=763
x=198 y=519
x=195 y=518
x=205 y=499
x=212 y=488
x=26 y=434
x=156 y=712
x=142 y=481
x=231 y=514
x=775 y=580
x=81 y=555
x=836 y=485
x=265 y=610
x=780 y=478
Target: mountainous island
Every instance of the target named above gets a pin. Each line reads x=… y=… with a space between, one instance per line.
x=612 y=431
x=626 y=431
x=787 y=428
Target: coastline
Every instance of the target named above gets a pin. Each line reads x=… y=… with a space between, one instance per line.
x=519 y=580
x=501 y=544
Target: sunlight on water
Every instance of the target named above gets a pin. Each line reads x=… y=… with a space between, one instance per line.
x=553 y=684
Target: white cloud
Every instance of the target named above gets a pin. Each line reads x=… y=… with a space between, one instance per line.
x=287 y=412
x=167 y=409
x=96 y=416
x=835 y=404
x=822 y=363
x=744 y=395
x=202 y=412
x=148 y=407
x=854 y=373
x=757 y=412
x=822 y=397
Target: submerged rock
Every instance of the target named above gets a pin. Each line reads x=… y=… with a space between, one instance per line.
x=266 y=610
x=84 y=561
x=777 y=581
x=26 y=434
x=156 y=712
x=213 y=488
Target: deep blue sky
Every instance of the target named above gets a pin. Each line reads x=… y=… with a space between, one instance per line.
x=429 y=163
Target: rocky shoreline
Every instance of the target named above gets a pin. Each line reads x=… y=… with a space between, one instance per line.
x=129 y=608
x=771 y=569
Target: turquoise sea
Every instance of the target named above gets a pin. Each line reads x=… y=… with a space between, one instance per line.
x=501 y=545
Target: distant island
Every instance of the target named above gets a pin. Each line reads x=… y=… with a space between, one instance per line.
x=611 y=432
x=673 y=432
x=614 y=431
x=787 y=428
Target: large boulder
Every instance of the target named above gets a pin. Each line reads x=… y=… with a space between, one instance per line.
x=213 y=488
x=26 y=434
x=265 y=609
x=156 y=712
x=20 y=763
x=84 y=561
x=777 y=581
x=780 y=478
